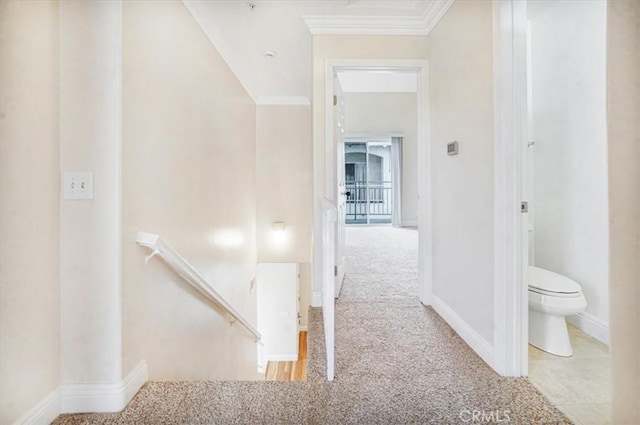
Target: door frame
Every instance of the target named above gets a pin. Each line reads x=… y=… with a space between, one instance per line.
x=511 y=301
x=329 y=175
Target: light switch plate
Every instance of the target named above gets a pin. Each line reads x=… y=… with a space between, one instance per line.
x=77 y=185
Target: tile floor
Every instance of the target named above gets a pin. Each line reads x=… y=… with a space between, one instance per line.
x=579 y=385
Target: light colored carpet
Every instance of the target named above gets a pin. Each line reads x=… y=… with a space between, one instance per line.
x=382 y=263
x=396 y=362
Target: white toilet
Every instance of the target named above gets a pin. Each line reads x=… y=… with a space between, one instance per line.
x=551 y=298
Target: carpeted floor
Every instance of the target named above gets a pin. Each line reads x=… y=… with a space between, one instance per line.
x=382 y=263
x=397 y=362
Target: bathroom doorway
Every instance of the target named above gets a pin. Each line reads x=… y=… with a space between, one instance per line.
x=565 y=220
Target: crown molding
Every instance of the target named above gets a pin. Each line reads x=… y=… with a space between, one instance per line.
x=380 y=25
x=283 y=100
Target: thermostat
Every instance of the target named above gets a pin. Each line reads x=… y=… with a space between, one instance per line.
x=452 y=148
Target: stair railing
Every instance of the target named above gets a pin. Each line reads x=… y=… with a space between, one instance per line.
x=181 y=266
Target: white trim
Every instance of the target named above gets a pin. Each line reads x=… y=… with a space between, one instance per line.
x=45 y=412
x=86 y=398
x=510 y=295
x=425 y=187
x=591 y=325
x=421 y=68
x=282 y=358
x=376 y=4
x=388 y=25
x=371 y=136
x=284 y=100
x=302 y=328
x=262 y=362
x=119 y=188
x=473 y=339
x=316 y=299
x=341 y=271
x=329 y=222
x=409 y=223
x=325 y=181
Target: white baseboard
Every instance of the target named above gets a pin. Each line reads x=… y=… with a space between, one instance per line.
x=591 y=325
x=282 y=358
x=316 y=299
x=45 y=412
x=85 y=398
x=462 y=328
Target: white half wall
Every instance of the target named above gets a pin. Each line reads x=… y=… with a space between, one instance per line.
x=390 y=113
x=571 y=220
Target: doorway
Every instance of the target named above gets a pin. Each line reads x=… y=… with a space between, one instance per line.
x=565 y=175
x=330 y=192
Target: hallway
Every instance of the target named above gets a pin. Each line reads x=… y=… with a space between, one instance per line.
x=381 y=263
x=397 y=361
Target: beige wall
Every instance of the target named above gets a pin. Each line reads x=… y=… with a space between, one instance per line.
x=461 y=101
x=189 y=173
x=384 y=113
x=284 y=189
x=30 y=207
x=623 y=113
x=326 y=47
x=460 y=58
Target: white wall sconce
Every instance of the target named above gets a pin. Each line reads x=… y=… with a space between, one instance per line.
x=278 y=229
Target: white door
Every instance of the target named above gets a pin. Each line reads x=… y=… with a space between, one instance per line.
x=341 y=198
x=528 y=216
x=277 y=303
x=329 y=218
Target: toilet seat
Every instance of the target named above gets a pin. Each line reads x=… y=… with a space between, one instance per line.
x=546 y=282
x=555 y=294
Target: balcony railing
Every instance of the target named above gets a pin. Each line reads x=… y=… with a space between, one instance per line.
x=371 y=200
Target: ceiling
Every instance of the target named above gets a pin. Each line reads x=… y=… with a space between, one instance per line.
x=243 y=31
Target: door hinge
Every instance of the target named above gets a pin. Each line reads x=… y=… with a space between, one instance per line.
x=335 y=270
x=335 y=100
x=524 y=207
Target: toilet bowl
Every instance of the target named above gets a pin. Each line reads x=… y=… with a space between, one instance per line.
x=552 y=297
